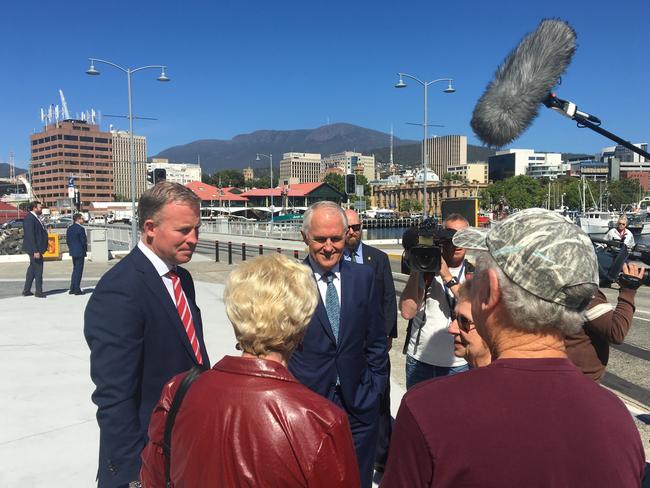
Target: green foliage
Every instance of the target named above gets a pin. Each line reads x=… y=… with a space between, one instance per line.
x=121 y=198
x=362 y=180
x=228 y=177
x=624 y=192
x=335 y=180
x=409 y=205
x=518 y=192
x=452 y=177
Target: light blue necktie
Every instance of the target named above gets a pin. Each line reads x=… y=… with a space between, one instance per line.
x=332 y=304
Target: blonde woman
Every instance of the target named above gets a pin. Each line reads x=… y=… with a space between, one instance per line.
x=247 y=421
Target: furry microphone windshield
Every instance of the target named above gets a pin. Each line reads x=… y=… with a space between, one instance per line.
x=526 y=77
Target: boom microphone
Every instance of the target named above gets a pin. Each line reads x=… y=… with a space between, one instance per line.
x=511 y=101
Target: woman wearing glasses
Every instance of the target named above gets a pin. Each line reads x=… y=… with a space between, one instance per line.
x=468 y=344
x=621 y=233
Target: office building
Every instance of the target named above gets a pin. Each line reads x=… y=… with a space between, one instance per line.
x=514 y=162
x=352 y=162
x=122 y=164
x=182 y=173
x=73 y=149
x=300 y=168
x=471 y=172
x=248 y=174
x=446 y=151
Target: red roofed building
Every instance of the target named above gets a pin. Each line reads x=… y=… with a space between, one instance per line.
x=296 y=195
x=211 y=196
x=9 y=212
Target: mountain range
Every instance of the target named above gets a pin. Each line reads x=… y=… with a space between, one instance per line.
x=4 y=170
x=240 y=151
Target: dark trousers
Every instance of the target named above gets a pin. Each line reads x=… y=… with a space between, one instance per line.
x=34 y=272
x=385 y=423
x=77 y=271
x=365 y=442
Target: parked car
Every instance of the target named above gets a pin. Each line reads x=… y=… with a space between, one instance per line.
x=13 y=224
x=60 y=223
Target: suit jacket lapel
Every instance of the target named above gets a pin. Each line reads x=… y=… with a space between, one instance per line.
x=321 y=313
x=346 y=277
x=155 y=283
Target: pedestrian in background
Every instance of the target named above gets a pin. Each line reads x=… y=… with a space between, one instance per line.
x=35 y=245
x=77 y=248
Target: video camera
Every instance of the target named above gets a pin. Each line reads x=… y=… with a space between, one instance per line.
x=611 y=257
x=426 y=255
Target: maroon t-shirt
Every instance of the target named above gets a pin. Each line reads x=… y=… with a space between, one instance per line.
x=515 y=423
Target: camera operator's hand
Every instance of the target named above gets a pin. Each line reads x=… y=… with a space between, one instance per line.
x=631 y=276
x=445 y=274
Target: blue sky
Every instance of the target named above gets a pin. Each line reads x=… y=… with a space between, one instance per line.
x=241 y=66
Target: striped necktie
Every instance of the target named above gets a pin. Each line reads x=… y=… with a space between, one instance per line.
x=186 y=316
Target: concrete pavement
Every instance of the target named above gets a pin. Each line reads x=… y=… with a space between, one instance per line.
x=48 y=432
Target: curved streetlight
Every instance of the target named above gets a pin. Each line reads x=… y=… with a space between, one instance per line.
x=270 y=158
x=93 y=71
x=425 y=153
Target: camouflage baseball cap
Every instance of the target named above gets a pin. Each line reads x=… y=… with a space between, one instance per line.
x=540 y=251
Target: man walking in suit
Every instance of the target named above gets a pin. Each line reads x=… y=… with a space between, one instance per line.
x=358 y=252
x=143 y=327
x=77 y=247
x=35 y=245
x=343 y=356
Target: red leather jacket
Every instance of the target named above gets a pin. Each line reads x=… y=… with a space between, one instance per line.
x=248 y=422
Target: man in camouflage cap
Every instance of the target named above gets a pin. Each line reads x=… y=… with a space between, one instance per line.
x=530 y=418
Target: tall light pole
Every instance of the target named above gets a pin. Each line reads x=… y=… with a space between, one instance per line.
x=129 y=71
x=425 y=152
x=270 y=158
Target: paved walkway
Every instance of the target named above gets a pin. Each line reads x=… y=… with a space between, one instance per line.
x=48 y=433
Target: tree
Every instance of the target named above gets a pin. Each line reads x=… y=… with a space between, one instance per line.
x=362 y=180
x=336 y=180
x=517 y=192
x=121 y=198
x=409 y=205
x=624 y=192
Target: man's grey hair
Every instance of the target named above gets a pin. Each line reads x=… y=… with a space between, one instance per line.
x=622 y=218
x=455 y=217
x=155 y=198
x=529 y=313
x=325 y=204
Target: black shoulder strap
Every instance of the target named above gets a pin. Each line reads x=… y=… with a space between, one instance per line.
x=171 y=416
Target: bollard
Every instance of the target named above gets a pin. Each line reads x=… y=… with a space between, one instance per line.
x=216 y=251
x=295 y=254
x=229 y=252
x=243 y=251
x=261 y=249
x=279 y=249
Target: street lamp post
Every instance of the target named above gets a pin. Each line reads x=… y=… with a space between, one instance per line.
x=129 y=71
x=425 y=152
x=270 y=158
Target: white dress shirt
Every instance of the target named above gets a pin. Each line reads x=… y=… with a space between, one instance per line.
x=322 y=284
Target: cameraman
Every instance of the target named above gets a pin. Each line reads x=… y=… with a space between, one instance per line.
x=589 y=348
x=428 y=302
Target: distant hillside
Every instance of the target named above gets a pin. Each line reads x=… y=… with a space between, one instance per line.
x=4 y=170
x=411 y=154
x=240 y=151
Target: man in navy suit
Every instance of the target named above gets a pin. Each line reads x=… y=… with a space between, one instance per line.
x=343 y=356
x=359 y=252
x=35 y=245
x=77 y=247
x=137 y=337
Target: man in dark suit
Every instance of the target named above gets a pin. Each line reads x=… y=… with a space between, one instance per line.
x=139 y=330
x=343 y=356
x=77 y=247
x=358 y=252
x=35 y=245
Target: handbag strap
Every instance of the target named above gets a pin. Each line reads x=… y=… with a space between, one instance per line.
x=189 y=378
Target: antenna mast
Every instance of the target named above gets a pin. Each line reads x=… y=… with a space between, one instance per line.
x=64 y=106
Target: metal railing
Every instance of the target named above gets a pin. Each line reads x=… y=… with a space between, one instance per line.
x=285 y=231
